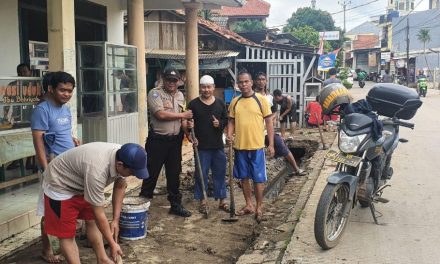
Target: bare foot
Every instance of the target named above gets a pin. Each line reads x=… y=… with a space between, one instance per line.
x=49 y=257
x=106 y=261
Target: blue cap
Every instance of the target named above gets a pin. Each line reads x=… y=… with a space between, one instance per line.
x=135 y=158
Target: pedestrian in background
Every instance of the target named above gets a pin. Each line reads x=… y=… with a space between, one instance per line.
x=314 y=113
x=332 y=78
x=164 y=142
x=287 y=112
x=210 y=118
x=281 y=150
x=248 y=115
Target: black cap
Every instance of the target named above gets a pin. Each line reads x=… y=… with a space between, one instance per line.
x=171 y=73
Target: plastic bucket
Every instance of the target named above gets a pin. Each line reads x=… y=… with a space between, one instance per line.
x=133 y=222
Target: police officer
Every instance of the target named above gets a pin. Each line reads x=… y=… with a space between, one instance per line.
x=164 y=142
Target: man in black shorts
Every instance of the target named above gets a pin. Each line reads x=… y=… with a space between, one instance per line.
x=287 y=111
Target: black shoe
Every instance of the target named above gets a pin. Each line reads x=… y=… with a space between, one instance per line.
x=178 y=209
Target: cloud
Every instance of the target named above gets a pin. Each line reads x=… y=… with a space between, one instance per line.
x=281 y=10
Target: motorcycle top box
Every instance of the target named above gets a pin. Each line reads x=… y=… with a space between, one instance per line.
x=391 y=100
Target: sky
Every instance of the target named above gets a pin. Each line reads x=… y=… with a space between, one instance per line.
x=281 y=10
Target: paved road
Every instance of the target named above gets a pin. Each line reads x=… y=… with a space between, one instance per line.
x=410 y=225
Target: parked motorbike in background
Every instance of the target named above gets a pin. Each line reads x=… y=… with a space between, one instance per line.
x=401 y=79
x=363 y=161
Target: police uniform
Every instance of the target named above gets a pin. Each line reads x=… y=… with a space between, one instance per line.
x=164 y=144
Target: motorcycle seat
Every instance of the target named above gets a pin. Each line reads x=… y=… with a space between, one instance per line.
x=356 y=124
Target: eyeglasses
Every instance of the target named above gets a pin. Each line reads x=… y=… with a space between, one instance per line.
x=171 y=80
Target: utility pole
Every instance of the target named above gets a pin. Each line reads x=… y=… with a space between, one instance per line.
x=344 y=4
x=313 y=4
x=407 y=51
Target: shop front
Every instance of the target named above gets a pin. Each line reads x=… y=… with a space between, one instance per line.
x=31 y=30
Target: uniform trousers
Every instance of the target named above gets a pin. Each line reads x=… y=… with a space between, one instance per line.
x=162 y=151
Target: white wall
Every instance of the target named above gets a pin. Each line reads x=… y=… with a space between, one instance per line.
x=9 y=44
x=115 y=20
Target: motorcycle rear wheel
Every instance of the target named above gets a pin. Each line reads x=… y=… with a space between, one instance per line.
x=332 y=215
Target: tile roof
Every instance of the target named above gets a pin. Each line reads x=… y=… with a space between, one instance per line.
x=224 y=32
x=366 y=42
x=251 y=8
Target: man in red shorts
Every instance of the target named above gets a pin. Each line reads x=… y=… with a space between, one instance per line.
x=74 y=185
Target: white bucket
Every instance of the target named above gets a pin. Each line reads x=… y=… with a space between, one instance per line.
x=133 y=222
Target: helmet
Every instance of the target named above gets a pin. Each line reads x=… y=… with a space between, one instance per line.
x=333 y=95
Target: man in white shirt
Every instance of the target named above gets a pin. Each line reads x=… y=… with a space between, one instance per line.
x=74 y=185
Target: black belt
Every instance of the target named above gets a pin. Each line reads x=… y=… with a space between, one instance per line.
x=156 y=136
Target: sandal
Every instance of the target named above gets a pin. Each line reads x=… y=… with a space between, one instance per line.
x=224 y=207
x=203 y=209
x=244 y=211
x=301 y=172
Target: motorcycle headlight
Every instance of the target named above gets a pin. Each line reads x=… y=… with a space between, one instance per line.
x=349 y=144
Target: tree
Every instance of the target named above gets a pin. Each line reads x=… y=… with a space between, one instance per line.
x=317 y=19
x=424 y=36
x=248 y=25
x=309 y=36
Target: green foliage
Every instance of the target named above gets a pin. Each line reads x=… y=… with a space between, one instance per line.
x=317 y=19
x=346 y=84
x=205 y=14
x=343 y=73
x=309 y=36
x=424 y=35
x=248 y=25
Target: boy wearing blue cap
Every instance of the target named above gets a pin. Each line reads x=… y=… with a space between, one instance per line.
x=74 y=185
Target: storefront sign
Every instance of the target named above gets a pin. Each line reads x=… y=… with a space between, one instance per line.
x=372 y=61
x=329 y=35
x=400 y=63
x=385 y=56
x=14 y=92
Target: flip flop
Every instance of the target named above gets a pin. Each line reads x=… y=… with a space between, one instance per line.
x=244 y=211
x=224 y=207
x=202 y=209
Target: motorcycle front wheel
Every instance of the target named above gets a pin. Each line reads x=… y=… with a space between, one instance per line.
x=332 y=215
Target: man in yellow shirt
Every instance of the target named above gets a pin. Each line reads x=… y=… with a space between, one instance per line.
x=248 y=115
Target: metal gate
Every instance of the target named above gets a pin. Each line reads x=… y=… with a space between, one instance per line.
x=284 y=71
x=287 y=77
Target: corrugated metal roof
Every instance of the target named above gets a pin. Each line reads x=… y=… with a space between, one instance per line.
x=180 y=54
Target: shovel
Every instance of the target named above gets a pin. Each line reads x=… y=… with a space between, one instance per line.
x=199 y=172
x=232 y=217
x=320 y=132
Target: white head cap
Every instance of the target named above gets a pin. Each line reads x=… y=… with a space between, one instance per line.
x=206 y=79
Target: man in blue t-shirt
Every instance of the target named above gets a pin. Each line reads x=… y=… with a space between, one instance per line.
x=51 y=125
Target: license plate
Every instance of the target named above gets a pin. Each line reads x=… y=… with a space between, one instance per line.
x=341 y=157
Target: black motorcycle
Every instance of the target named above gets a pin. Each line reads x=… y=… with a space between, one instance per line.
x=366 y=145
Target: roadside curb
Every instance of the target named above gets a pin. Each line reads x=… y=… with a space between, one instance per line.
x=259 y=252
